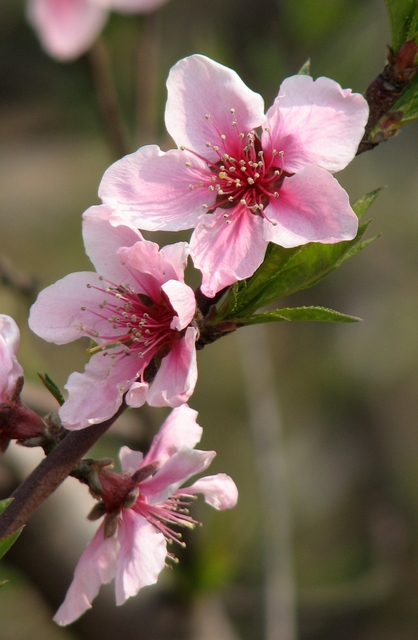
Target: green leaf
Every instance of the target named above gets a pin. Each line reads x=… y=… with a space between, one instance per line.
x=408 y=103
x=4 y=504
x=6 y=543
x=360 y=206
x=52 y=388
x=305 y=69
x=285 y=271
x=300 y=314
x=403 y=17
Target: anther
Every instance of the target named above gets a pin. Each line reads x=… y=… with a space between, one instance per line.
x=207 y=116
x=191 y=187
x=182 y=147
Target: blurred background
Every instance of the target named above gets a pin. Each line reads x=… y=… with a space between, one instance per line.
x=328 y=549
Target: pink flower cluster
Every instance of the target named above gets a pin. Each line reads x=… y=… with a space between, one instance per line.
x=241 y=179
x=68 y=28
x=141 y=507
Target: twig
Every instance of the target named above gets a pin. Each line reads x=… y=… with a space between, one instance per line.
x=49 y=474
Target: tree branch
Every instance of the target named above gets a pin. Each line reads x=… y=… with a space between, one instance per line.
x=50 y=473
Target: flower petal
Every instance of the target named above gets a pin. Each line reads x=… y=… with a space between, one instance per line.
x=97 y=566
x=66 y=28
x=312 y=207
x=183 y=301
x=96 y=394
x=174 y=259
x=10 y=369
x=151 y=189
x=70 y=308
x=103 y=235
x=220 y=491
x=137 y=394
x=315 y=122
x=176 y=378
x=179 y=430
x=177 y=469
x=225 y=252
x=141 y=557
x=197 y=88
x=130 y=460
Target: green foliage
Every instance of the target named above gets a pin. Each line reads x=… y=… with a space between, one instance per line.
x=285 y=271
x=403 y=18
x=6 y=543
x=408 y=104
x=300 y=314
x=305 y=69
x=52 y=388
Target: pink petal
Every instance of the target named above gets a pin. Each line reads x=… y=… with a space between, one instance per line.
x=151 y=189
x=177 y=469
x=10 y=369
x=130 y=460
x=144 y=263
x=141 y=557
x=183 y=301
x=96 y=394
x=176 y=378
x=177 y=431
x=103 y=235
x=315 y=123
x=10 y=333
x=224 y=252
x=220 y=491
x=137 y=394
x=66 y=28
x=312 y=207
x=174 y=260
x=199 y=87
x=96 y=566
x=58 y=315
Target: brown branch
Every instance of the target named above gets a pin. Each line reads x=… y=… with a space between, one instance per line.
x=386 y=89
x=49 y=474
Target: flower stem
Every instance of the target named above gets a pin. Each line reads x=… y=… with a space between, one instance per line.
x=50 y=473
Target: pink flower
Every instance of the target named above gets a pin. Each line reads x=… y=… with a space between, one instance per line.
x=241 y=189
x=16 y=420
x=10 y=369
x=137 y=310
x=68 y=28
x=141 y=508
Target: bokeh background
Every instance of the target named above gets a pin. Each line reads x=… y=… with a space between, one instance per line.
x=343 y=525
